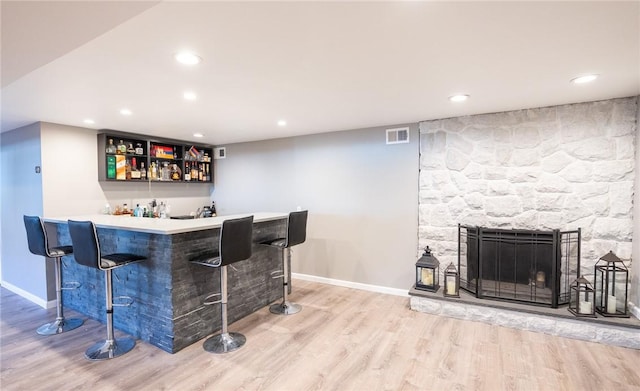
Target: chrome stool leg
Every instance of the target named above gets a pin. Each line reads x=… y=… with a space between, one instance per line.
x=111 y=347
x=61 y=324
x=286 y=307
x=225 y=341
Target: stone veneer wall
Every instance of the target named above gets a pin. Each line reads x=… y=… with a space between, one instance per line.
x=562 y=167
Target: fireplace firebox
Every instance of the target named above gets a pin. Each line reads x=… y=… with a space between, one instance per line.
x=535 y=267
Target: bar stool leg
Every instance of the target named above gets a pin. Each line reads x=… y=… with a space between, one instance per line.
x=225 y=341
x=61 y=324
x=111 y=347
x=286 y=307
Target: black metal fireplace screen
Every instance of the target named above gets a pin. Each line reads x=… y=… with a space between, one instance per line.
x=535 y=267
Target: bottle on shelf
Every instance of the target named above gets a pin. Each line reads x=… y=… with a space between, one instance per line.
x=122 y=149
x=111 y=149
x=139 y=149
x=135 y=173
x=143 y=172
x=194 y=172
x=200 y=172
x=187 y=172
x=175 y=173
x=175 y=153
x=127 y=167
x=111 y=167
x=153 y=172
x=131 y=150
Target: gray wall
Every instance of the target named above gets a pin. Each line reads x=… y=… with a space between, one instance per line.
x=21 y=194
x=361 y=194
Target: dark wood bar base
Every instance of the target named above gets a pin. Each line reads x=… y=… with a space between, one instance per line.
x=167 y=291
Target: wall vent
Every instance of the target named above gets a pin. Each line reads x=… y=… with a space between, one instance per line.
x=398 y=136
x=220 y=153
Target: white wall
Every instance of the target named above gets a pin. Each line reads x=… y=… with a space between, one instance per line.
x=22 y=271
x=361 y=195
x=635 y=271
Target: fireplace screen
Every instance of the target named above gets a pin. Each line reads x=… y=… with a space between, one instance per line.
x=529 y=266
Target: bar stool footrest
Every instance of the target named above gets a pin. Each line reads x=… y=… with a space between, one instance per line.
x=286 y=308
x=59 y=326
x=71 y=285
x=207 y=302
x=122 y=301
x=224 y=343
x=106 y=350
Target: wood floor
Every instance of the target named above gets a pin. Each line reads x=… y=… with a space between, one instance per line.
x=344 y=339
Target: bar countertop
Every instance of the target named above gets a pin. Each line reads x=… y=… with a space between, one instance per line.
x=163 y=226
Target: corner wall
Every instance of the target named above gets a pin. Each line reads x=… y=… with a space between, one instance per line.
x=22 y=271
x=562 y=167
x=361 y=195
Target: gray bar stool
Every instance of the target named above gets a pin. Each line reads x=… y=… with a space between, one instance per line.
x=296 y=234
x=39 y=245
x=234 y=246
x=87 y=252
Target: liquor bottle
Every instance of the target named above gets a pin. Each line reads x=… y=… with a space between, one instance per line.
x=122 y=149
x=175 y=154
x=131 y=150
x=143 y=172
x=135 y=173
x=175 y=174
x=200 y=172
x=194 y=172
x=127 y=167
x=154 y=172
x=139 y=149
x=111 y=149
x=207 y=176
x=187 y=172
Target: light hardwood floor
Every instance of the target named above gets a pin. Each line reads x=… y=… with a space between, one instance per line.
x=344 y=339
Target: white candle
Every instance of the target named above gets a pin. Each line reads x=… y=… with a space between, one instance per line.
x=585 y=307
x=427 y=276
x=611 y=304
x=451 y=287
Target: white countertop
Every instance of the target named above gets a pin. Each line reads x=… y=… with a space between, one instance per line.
x=163 y=226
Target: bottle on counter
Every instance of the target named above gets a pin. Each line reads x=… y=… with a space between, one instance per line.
x=162 y=210
x=137 y=212
x=111 y=149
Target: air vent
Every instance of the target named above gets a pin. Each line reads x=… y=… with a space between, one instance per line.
x=398 y=136
x=220 y=153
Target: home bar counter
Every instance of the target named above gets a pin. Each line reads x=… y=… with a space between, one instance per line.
x=167 y=290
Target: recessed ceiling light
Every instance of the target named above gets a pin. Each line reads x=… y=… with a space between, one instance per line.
x=458 y=98
x=584 y=79
x=125 y=112
x=89 y=121
x=199 y=135
x=282 y=123
x=190 y=95
x=188 y=58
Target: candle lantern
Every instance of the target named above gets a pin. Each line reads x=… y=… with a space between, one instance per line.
x=451 y=281
x=582 y=298
x=611 y=286
x=427 y=272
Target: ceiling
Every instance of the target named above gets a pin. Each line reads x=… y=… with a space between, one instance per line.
x=321 y=66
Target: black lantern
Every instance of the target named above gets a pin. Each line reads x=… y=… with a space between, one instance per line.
x=582 y=298
x=451 y=281
x=611 y=284
x=427 y=272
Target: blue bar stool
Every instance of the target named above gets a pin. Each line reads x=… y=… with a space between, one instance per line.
x=234 y=246
x=296 y=234
x=39 y=245
x=87 y=252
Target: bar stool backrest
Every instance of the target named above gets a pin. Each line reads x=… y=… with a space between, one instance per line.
x=36 y=236
x=86 y=248
x=236 y=237
x=297 y=228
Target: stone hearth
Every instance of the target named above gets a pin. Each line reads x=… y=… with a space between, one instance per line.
x=624 y=332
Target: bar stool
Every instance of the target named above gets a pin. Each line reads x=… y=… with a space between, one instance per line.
x=234 y=246
x=296 y=234
x=39 y=245
x=87 y=252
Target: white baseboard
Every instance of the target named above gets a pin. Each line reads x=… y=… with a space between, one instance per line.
x=29 y=296
x=354 y=285
x=635 y=310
